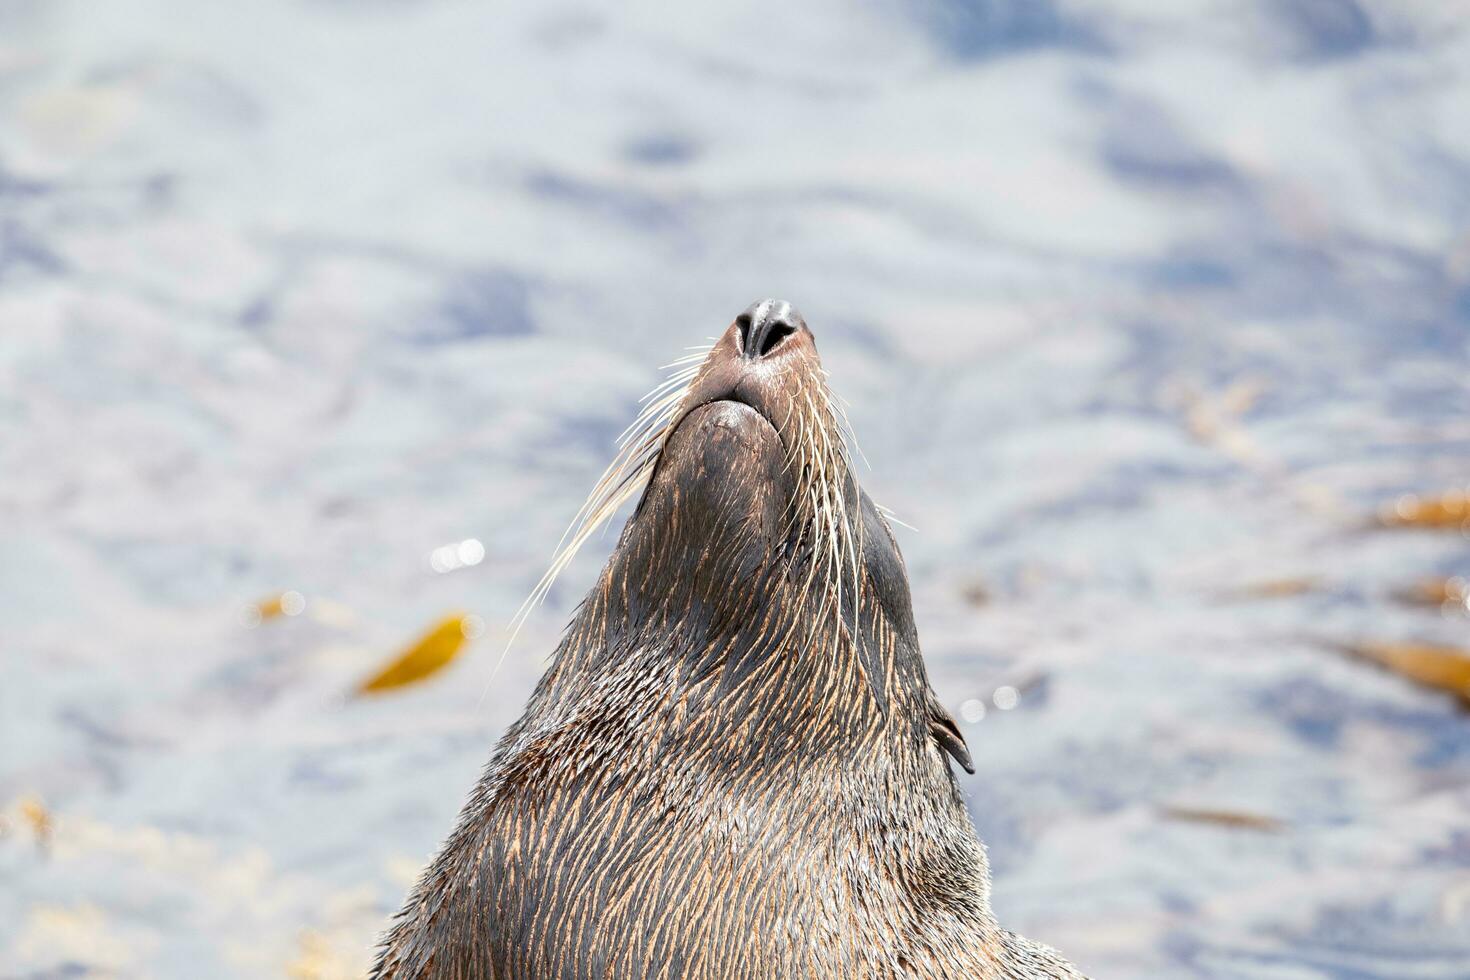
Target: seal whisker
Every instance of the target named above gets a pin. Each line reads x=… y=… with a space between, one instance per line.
x=700 y=352
x=652 y=417
x=838 y=407
x=833 y=509
x=626 y=475
x=892 y=518
x=680 y=368
x=838 y=414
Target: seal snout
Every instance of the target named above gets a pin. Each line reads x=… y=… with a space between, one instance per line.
x=767 y=358
x=765 y=325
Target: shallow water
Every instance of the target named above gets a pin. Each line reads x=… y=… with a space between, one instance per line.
x=1134 y=311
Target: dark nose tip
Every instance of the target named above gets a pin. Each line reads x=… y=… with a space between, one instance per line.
x=765 y=325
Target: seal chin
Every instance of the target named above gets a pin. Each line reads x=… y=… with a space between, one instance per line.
x=723 y=471
x=750 y=429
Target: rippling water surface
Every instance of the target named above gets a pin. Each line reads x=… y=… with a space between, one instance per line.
x=1143 y=310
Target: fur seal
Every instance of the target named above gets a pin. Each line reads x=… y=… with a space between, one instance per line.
x=735 y=766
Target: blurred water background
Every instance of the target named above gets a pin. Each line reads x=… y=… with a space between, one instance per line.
x=1144 y=311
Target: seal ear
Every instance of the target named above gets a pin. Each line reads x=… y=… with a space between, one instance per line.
x=942 y=729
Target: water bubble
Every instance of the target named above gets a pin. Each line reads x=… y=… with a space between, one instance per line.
x=1406 y=506
x=293 y=603
x=1006 y=697
x=444 y=559
x=470 y=551
x=459 y=554
x=972 y=711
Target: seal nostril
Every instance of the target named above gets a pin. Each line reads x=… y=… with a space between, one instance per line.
x=765 y=326
x=775 y=333
x=742 y=323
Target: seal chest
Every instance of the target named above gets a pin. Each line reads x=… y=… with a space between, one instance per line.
x=735 y=765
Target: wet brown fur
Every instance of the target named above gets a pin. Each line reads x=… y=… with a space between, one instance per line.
x=735 y=766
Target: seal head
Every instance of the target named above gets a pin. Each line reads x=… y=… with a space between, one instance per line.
x=735 y=765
